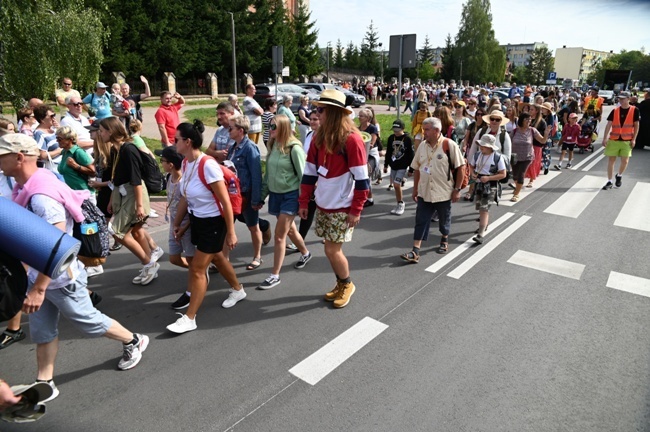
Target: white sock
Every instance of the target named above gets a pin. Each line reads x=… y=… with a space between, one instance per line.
x=187 y=293
x=611 y=180
x=276 y=276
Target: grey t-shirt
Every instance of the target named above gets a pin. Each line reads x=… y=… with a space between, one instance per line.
x=222 y=140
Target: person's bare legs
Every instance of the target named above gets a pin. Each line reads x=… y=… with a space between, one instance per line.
x=338 y=261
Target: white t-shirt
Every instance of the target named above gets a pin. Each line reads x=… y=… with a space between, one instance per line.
x=200 y=200
x=53 y=212
x=255 y=119
x=78 y=125
x=484 y=162
x=6 y=185
x=307 y=143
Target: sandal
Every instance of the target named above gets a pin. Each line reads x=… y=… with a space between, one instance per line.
x=411 y=257
x=514 y=198
x=254 y=264
x=116 y=246
x=529 y=185
x=467 y=197
x=444 y=246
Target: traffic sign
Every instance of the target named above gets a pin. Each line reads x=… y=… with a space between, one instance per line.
x=552 y=76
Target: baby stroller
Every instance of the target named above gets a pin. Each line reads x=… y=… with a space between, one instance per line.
x=587 y=135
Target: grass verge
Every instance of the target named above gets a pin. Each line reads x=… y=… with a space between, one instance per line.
x=207 y=115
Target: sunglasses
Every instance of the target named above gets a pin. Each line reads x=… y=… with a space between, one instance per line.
x=67 y=84
x=320 y=109
x=495 y=119
x=52 y=116
x=273 y=126
x=230 y=129
x=77 y=104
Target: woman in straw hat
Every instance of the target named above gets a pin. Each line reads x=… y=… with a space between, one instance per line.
x=337 y=162
x=496 y=122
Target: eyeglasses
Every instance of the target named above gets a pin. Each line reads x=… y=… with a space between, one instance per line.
x=471 y=103
x=230 y=129
x=52 y=116
x=67 y=84
x=273 y=126
x=77 y=104
x=495 y=119
x=320 y=109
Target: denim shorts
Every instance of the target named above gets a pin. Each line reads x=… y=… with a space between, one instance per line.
x=73 y=302
x=184 y=246
x=284 y=203
x=396 y=176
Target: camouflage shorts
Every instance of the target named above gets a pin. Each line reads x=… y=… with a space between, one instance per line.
x=333 y=226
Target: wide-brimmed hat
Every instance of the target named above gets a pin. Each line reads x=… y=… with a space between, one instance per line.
x=545 y=105
x=488 y=140
x=335 y=98
x=18 y=143
x=496 y=113
x=461 y=103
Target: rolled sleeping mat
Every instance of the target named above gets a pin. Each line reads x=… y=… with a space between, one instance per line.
x=34 y=241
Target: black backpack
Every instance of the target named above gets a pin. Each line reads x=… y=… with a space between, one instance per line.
x=151 y=175
x=13 y=286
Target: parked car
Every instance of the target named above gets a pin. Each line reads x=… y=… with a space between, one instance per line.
x=608 y=95
x=500 y=94
x=265 y=91
x=317 y=87
x=358 y=99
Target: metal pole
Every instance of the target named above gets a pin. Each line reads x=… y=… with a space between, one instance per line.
x=461 y=73
x=234 y=55
x=328 y=62
x=381 y=53
x=399 y=76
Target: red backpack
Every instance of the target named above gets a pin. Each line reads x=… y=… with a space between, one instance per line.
x=232 y=184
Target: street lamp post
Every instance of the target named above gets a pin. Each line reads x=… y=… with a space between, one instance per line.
x=328 y=61
x=234 y=55
x=381 y=53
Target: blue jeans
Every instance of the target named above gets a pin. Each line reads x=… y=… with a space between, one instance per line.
x=423 y=215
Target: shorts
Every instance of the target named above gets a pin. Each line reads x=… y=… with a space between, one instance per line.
x=208 y=234
x=482 y=203
x=618 y=149
x=183 y=246
x=333 y=226
x=73 y=302
x=396 y=176
x=284 y=203
x=249 y=215
x=568 y=147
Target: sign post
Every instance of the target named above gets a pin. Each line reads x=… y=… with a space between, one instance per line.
x=551 y=79
x=402 y=54
x=277 y=60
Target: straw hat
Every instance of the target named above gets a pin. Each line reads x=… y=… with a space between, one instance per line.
x=333 y=98
x=545 y=105
x=496 y=113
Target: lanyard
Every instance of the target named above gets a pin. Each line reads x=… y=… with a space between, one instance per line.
x=483 y=159
x=186 y=179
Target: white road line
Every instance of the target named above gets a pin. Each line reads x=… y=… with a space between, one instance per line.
x=629 y=283
x=459 y=271
x=547 y=264
x=635 y=213
x=541 y=181
x=588 y=158
x=594 y=163
x=438 y=265
x=318 y=365
x=575 y=200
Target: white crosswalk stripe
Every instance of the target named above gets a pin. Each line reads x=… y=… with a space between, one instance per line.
x=573 y=202
x=629 y=283
x=635 y=214
x=547 y=264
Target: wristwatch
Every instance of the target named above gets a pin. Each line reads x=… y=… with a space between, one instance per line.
x=457 y=189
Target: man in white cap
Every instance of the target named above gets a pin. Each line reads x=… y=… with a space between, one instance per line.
x=98 y=103
x=67 y=294
x=620 y=137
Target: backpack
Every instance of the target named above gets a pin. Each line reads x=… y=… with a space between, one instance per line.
x=495 y=163
x=456 y=171
x=93 y=235
x=502 y=138
x=151 y=175
x=232 y=184
x=13 y=286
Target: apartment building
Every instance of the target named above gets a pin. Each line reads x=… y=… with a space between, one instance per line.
x=577 y=62
x=519 y=54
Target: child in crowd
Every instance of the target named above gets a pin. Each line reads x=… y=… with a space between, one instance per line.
x=171 y=162
x=570 y=133
x=399 y=154
x=486 y=168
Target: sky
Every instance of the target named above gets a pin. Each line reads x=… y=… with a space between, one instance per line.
x=601 y=25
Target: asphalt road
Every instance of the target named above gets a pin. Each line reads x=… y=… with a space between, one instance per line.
x=507 y=343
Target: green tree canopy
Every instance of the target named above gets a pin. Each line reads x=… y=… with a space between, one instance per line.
x=308 y=53
x=448 y=60
x=539 y=65
x=476 y=46
x=338 y=56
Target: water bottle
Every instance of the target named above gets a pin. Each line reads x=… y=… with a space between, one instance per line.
x=232 y=187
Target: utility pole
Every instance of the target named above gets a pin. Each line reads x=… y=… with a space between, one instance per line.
x=381 y=53
x=234 y=55
x=461 y=72
x=328 y=61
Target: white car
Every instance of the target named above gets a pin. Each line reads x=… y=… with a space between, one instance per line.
x=608 y=95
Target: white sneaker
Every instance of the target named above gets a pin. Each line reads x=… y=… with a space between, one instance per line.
x=153 y=214
x=149 y=273
x=138 y=279
x=182 y=325
x=132 y=354
x=394 y=210
x=234 y=297
x=157 y=253
x=94 y=270
x=399 y=210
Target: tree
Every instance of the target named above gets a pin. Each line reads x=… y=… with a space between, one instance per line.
x=483 y=59
x=369 y=45
x=519 y=74
x=426 y=53
x=352 y=56
x=308 y=55
x=448 y=60
x=41 y=42
x=338 y=55
x=636 y=61
x=539 y=65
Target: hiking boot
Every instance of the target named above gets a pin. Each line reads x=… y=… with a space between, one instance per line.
x=334 y=294
x=608 y=185
x=132 y=353
x=11 y=336
x=399 y=210
x=345 y=293
x=182 y=302
x=619 y=181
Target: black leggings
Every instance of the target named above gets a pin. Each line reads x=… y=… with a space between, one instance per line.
x=519 y=171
